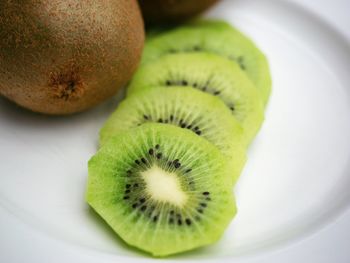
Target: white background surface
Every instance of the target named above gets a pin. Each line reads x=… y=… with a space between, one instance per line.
x=293 y=197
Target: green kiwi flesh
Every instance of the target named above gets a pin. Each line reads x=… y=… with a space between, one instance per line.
x=215 y=37
x=211 y=74
x=201 y=113
x=162 y=189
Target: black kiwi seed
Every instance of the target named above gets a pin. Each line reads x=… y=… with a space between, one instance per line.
x=127 y=191
x=203 y=204
x=198 y=132
x=159 y=155
x=150 y=151
x=127 y=186
x=155 y=218
x=232 y=108
x=188 y=221
x=183 y=125
x=188 y=170
x=171 y=117
x=135 y=205
x=179 y=222
x=143 y=208
x=241 y=62
x=142 y=200
x=160 y=120
x=137 y=161
x=172 y=212
x=143 y=160
x=196 y=128
x=136 y=185
x=205 y=193
x=157 y=146
x=126 y=197
x=217 y=92
x=145 y=117
x=184 y=83
x=177 y=165
x=204 y=88
x=200 y=210
x=168 y=83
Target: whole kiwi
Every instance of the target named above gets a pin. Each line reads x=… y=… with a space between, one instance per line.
x=61 y=57
x=172 y=11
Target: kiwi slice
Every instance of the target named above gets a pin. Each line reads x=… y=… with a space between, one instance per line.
x=211 y=74
x=162 y=189
x=201 y=113
x=204 y=115
x=215 y=37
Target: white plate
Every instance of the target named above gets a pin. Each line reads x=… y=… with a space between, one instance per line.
x=296 y=179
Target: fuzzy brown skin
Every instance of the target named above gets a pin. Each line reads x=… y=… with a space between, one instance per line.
x=172 y=11
x=61 y=57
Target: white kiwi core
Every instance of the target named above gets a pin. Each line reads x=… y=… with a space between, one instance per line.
x=164 y=186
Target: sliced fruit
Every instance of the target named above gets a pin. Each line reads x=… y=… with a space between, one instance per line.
x=162 y=189
x=219 y=38
x=204 y=115
x=211 y=74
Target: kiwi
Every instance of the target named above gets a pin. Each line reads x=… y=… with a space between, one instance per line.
x=211 y=74
x=215 y=37
x=162 y=189
x=190 y=109
x=172 y=11
x=204 y=115
x=61 y=57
